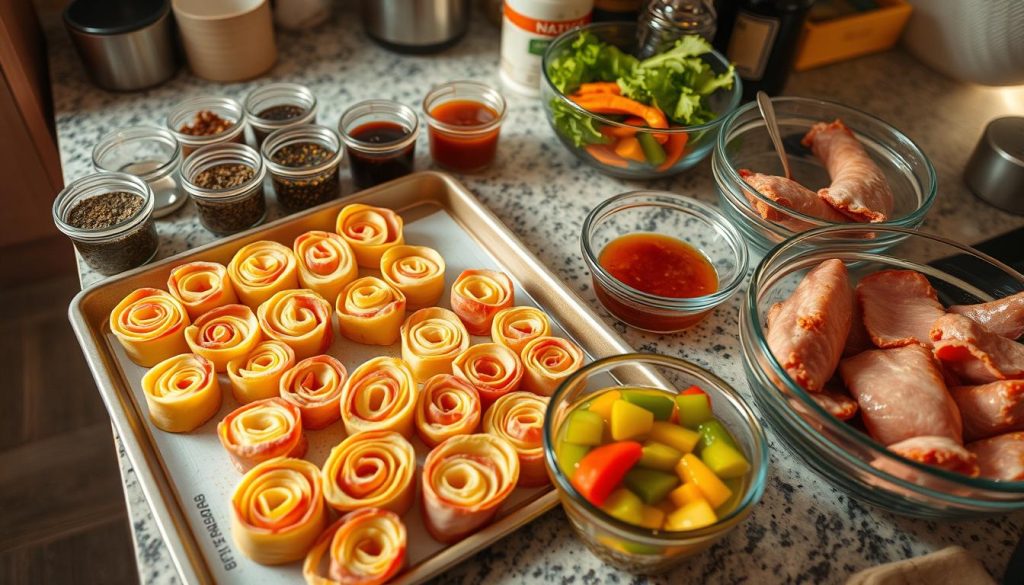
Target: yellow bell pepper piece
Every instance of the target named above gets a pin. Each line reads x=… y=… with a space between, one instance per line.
x=652 y=518
x=602 y=405
x=630 y=421
x=692 y=516
x=685 y=494
x=679 y=438
x=692 y=470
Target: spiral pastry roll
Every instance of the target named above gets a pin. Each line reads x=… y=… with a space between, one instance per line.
x=465 y=480
x=326 y=263
x=518 y=417
x=547 y=361
x=417 y=271
x=370 y=231
x=370 y=311
x=299 y=317
x=277 y=511
x=494 y=370
x=314 y=386
x=150 y=324
x=478 y=295
x=258 y=375
x=365 y=547
x=181 y=392
x=514 y=327
x=380 y=395
x=262 y=430
x=371 y=469
x=447 y=406
x=224 y=334
x=260 y=269
x=431 y=340
x=201 y=286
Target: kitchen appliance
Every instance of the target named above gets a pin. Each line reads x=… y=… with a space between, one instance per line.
x=416 y=26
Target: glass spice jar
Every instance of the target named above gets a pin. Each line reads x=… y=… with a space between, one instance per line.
x=225 y=181
x=109 y=218
x=148 y=152
x=204 y=120
x=380 y=136
x=303 y=163
x=279 y=105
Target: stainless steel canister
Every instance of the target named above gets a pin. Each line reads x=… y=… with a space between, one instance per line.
x=416 y=26
x=995 y=171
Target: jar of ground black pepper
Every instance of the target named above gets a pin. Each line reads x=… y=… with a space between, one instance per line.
x=279 y=105
x=109 y=217
x=205 y=120
x=225 y=181
x=148 y=152
x=303 y=163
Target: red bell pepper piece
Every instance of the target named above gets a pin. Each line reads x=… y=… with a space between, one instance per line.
x=602 y=469
x=693 y=390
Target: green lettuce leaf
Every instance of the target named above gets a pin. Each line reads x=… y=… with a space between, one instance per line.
x=577 y=127
x=588 y=59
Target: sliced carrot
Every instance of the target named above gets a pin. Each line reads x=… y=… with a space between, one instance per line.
x=603 y=103
x=599 y=87
x=605 y=155
x=629 y=148
x=673 y=150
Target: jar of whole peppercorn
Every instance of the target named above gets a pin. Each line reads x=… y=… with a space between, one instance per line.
x=205 y=120
x=303 y=163
x=279 y=105
x=225 y=181
x=109 y=218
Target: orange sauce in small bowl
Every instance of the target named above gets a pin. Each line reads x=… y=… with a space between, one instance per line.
x=466 y=152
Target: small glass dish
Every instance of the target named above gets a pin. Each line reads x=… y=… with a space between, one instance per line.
x=232 y=209
x=303 y=162
x=186 y=114
x=150 y=153
x=624 y=545
x=279 y=105
x=697 y=224
x=380 y=137
x=464 y=141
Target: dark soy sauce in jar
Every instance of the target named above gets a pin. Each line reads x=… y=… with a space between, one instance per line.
x=373 y=168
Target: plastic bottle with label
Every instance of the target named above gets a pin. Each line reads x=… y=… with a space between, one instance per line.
x=527 y=28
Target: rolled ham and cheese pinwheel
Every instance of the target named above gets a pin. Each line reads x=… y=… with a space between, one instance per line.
x=150 y=324
x=326 y=263
x=514 y=327
x=494 y=370
x=417 y=271
x=465 y=480
x=380 y=395
x=372 y=469
x=477 y=295
x=201 y=286
x=262 y=430
x=260 y=269
x=547 y=361
x=365 y=547
x=224 y=334
x=314 y=386
x=370 y=311
x=370 y=231
x=277 y=511
x=447 y=406
x=518 y=417
x=258 y=375
x=181 y=392
x=299 y=317
x=431 y=340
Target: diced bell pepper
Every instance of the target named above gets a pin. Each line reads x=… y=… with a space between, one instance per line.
x=630 y=421
x=692 y=470
x=660 y=406
x=679 y=438
x=601 y=470
x=652 y=486
x=659 y=456
x=583 y=427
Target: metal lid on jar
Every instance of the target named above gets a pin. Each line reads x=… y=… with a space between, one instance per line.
x=107 y=17
x=995 y=171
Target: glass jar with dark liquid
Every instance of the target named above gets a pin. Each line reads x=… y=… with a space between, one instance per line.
x=380 y=137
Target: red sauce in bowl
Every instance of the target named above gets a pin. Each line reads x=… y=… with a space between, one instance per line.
x=464 y=151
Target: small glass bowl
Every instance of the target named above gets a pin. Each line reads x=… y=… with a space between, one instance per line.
x=185 y=112
x=148 y=152
x=698 y=224
x=464 y=149
x=302 y=187
x=231 y=210
x=625 y=545
x=372 y=163
x=263 y=100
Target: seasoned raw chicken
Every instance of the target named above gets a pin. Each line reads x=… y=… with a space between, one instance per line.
x=858 y=340
x=940 y=452
x=899 y=307
x=901 y=394
x=1003 y=316
x=807 y=331
x=973 y=353
x=791 y=194
x=990 y=409
x=859 y=188
x=837 y=402
x=1001 y=457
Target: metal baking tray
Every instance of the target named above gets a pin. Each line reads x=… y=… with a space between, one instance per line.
x=187 y=479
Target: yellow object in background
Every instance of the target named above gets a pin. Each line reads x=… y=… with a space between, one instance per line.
x=851 y=36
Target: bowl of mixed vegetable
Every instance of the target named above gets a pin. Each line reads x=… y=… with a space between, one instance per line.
x=630 y=117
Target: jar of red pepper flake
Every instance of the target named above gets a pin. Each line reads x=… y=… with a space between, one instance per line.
x=205 y=120
x=303 y=162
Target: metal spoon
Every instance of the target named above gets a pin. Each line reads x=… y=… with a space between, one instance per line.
x=764 y=103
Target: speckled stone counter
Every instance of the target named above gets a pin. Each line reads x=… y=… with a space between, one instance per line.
x=803 y=531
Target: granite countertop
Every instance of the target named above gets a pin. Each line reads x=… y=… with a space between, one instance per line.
x=803 y=531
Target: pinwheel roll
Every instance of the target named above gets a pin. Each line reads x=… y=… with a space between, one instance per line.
x=201 y=286
x=547 y=361
x=260 y=269
x=277 y=511
x=367 y=547
x=380 y=395
x=371 y=311
x=370 y=231
x=150 y=324
x=417 y=271
x=182 y=393
x=478 y=295
x=326 y=263
x=262 y=430
x=372 y=469
x=258 y=375
x=299 y=317
x=314 y=385
x=224 y=334
x=447 y=406
x=516 y=326
x=494 y=370
x=518 y=417
x=431 y=340
x=465 y=480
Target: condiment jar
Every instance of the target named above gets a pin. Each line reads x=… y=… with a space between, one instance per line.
x=150 y=153
x=279 y=105
x=303 y=163
x=380 y=137
x=465 y=120
x=186 y=113
x=663 y=22
x=230 y=209
x=110 y=246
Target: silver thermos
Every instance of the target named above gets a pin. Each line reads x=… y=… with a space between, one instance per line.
x=416 y=26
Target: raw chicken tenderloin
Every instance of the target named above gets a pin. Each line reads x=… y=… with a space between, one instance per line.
x=901 y=394
x=859 y=189
x=1003 y=316
x=788 y=193
x=898 y=307
x=1001 y=457
x=940 y=452
x=807 y=331
x=990 y=409
x=973 y=353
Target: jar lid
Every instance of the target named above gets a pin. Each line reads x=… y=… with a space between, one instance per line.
x=112 y=17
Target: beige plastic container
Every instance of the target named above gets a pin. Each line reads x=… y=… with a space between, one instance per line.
x=226 y=40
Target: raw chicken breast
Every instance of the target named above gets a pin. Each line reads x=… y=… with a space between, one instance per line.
x=1003 y=316
x=837 y=402
x=899 y=307
x=858 y=340
x=1001 y=457
x=940 y=452
x=791 y=194
x=990 y=409
x=973 y=353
